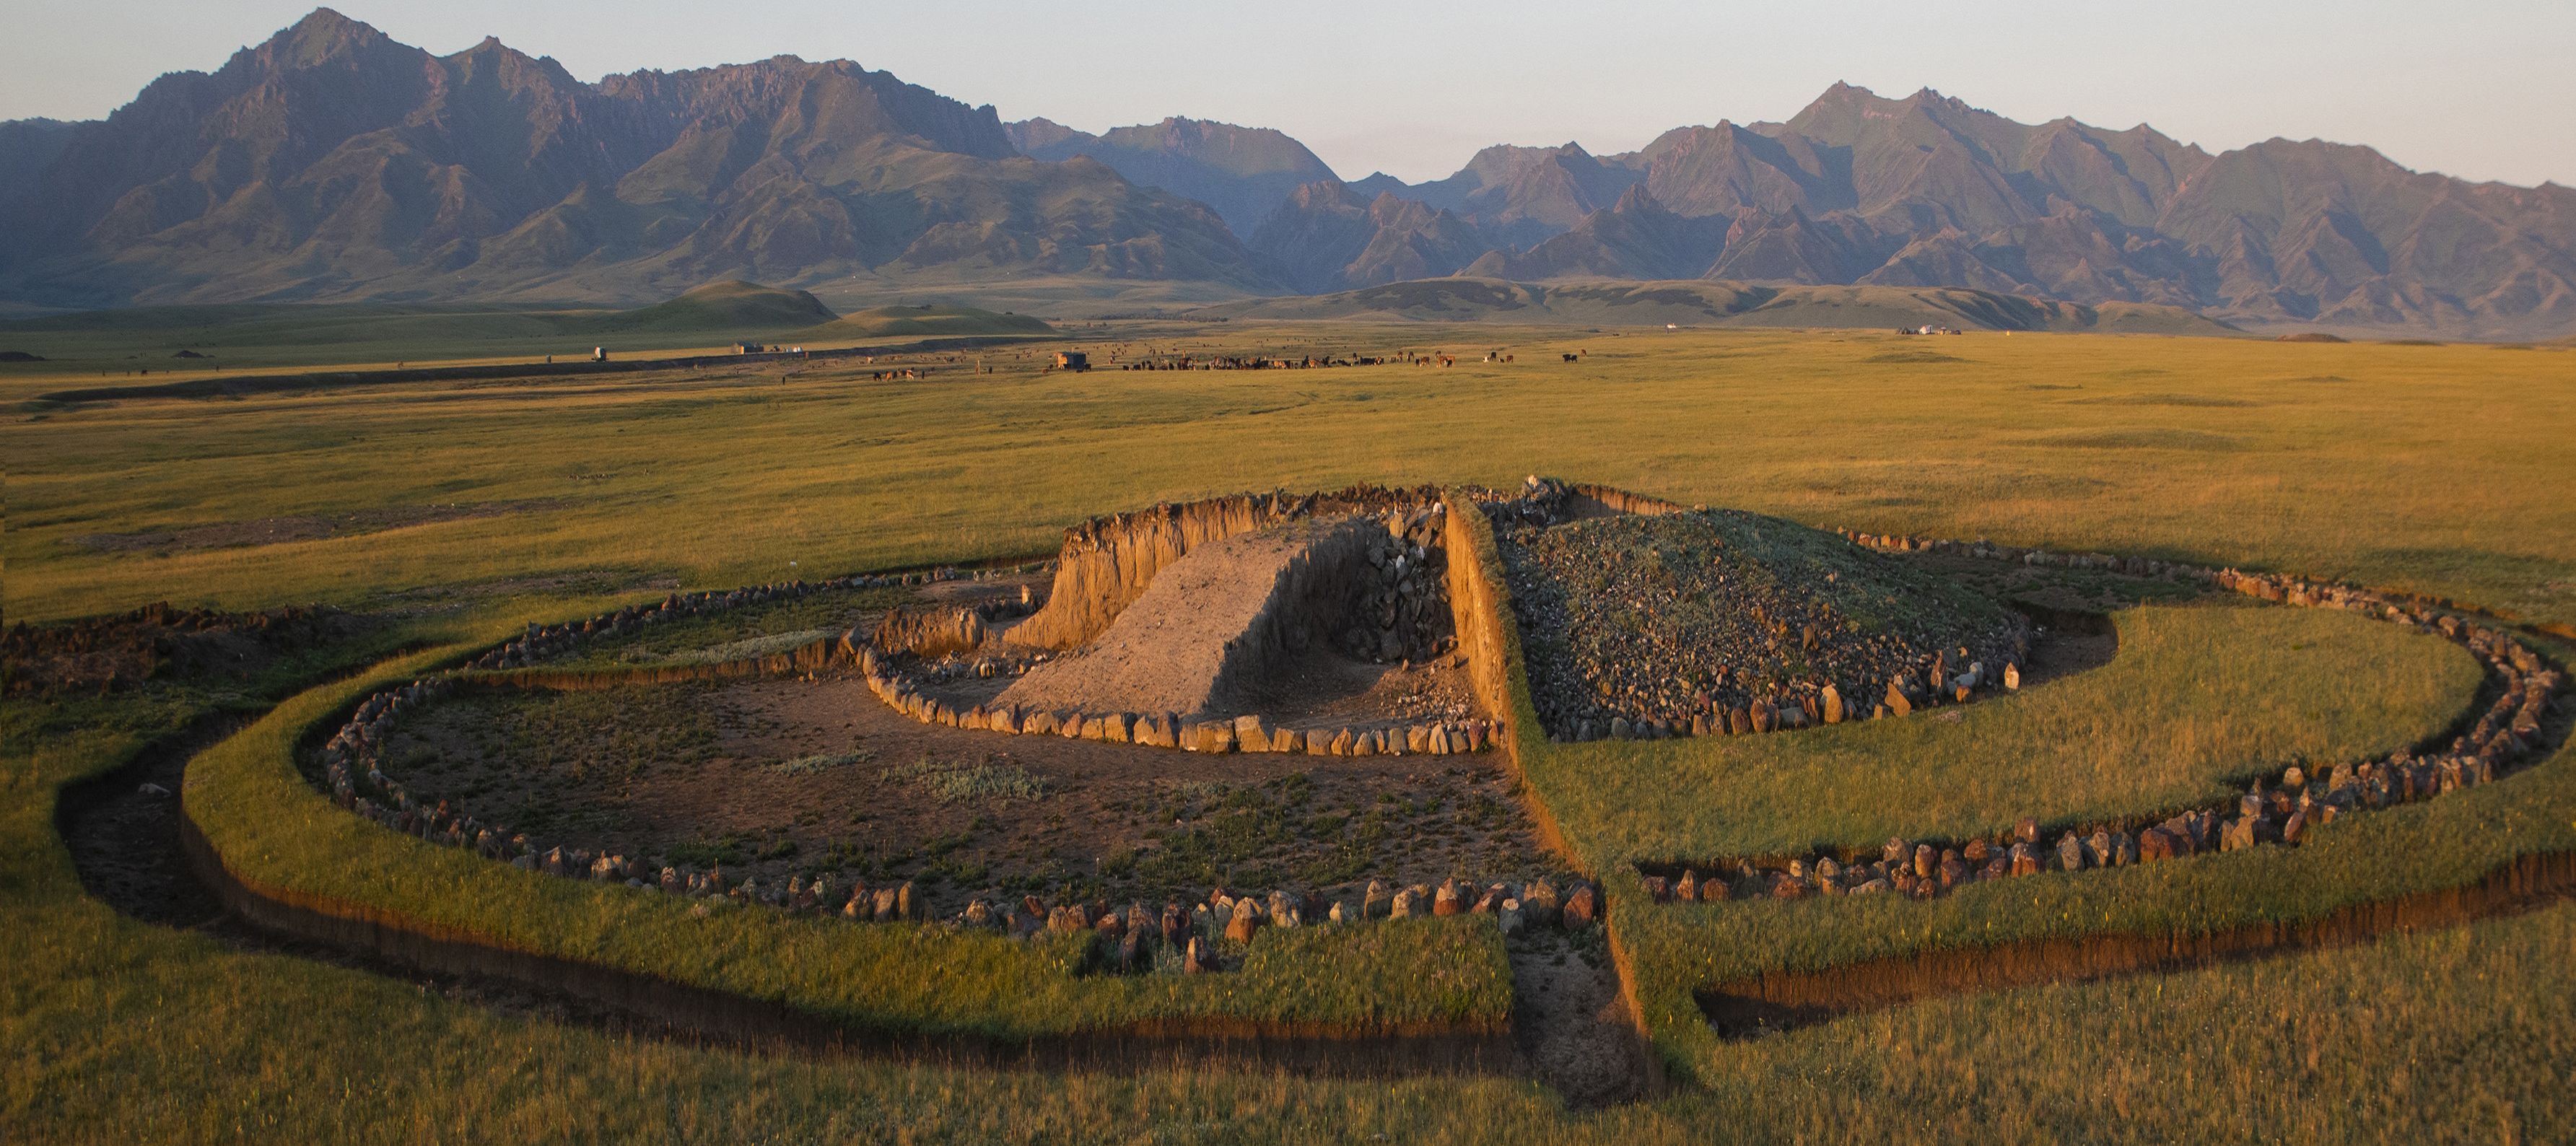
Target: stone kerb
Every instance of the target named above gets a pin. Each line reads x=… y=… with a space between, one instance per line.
x=1203 y=936
x=2284 y=808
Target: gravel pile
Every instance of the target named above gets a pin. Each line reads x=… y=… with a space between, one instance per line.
x=1658 y=619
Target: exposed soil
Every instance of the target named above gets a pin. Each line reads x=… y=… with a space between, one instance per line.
x=108 y=653
x=1568 y=1020
x=776 y=778
x=275 y=530
x=1165 y=650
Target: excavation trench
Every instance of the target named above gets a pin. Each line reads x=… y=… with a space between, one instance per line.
x=134 y=849
x=1771 y=1003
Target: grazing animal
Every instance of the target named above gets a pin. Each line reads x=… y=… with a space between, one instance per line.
x=1569 y=358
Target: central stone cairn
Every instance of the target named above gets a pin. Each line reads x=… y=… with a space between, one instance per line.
x=1703 y=622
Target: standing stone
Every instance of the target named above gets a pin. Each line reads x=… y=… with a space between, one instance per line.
x=1925 y=860
x=1445 y=901
x=2025 y=859
x=1402 y=905
x=1832 y=705
x=1193 y=960
x=2097 y=848
x=1688 y=889
x=1376 y=902
x=1581 y=907
x=2070 y=852
x=2012 y=677
x=1896 y=702
x=1250 y=734
x=1539 y=903
x=2236 y=834
x=1509 y=918
x=1239 y=928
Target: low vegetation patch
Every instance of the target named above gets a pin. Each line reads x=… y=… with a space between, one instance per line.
x=2199 y=698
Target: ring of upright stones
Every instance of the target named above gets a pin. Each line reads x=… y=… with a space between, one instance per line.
x=1247 y=733
x=543 y=642
x=2283 y=809
x=1207 y=935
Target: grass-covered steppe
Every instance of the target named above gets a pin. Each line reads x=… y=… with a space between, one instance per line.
x=2432 y=469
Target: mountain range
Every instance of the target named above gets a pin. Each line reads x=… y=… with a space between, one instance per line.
x=333 y=163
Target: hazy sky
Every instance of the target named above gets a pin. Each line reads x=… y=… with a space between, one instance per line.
x=2482 y=90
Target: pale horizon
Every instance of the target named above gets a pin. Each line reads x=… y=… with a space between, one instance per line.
x=2476 y=95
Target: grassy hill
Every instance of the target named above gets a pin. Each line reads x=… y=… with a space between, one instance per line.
x=928 y=319
x=1691 y=302
x=728 y=305
x=260 y=336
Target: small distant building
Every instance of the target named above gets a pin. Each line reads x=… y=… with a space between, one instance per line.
x=1072 y=360
x=599 y=354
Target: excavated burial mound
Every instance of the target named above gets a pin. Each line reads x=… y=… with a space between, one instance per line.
x=1670 y=616
x=1212 y=626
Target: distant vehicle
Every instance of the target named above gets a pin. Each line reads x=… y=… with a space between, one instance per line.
x=1072 y=360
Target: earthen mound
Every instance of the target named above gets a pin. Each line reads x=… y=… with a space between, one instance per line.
x=1710 y=614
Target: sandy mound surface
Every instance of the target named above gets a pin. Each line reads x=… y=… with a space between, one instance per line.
x=1165 y=652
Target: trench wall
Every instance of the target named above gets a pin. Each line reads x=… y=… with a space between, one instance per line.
x=1309 y=604
x=1489 y=637
x=397 y=938
x=2525 y=881
x=1106 y=562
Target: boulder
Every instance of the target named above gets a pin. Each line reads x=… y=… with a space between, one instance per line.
x=1446 y=900
x=1402 y=905
x=1250 y=734
x=1582 y=907
x=2237 y=834
x=1539 y=903
x=1285 y=910
x=1240 y=927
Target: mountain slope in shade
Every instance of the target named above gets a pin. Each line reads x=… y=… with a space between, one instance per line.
x=332 y=161
x=1241 y=172
x=1705 y=303
x=1928 y=191
x=1326 y=236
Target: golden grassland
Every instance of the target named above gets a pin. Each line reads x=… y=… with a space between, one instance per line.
x=2439 y=469
x=2433 y=468
x=2200 y=699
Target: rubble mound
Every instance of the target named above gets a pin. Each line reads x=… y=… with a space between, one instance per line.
x=1726 y=621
